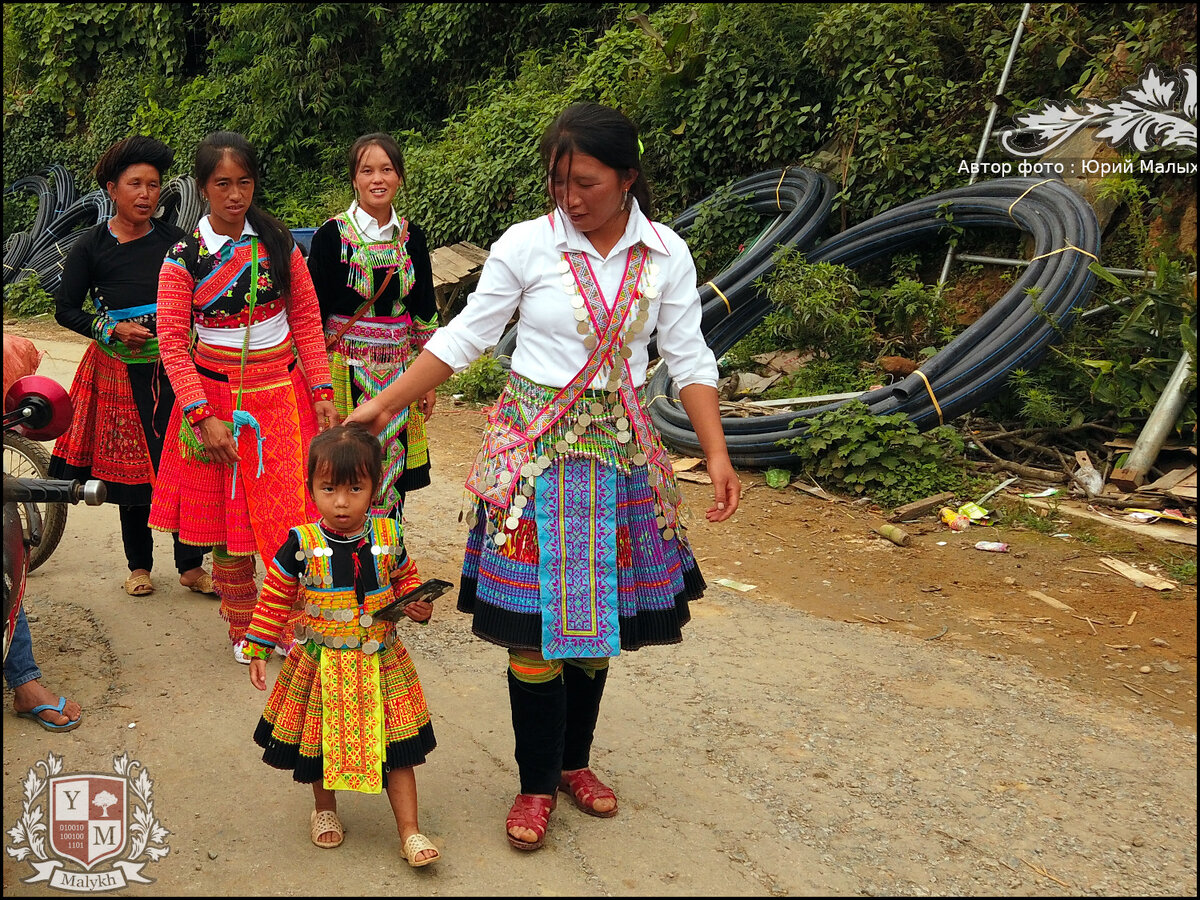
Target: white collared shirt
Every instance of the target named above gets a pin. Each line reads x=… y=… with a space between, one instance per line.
x=369 y=225
x=522 y=275
x=267 y=333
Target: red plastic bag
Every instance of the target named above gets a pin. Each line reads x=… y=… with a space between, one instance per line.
x=21 y=358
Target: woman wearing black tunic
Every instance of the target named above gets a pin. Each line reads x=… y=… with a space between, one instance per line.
x=121 y=394
x=374 y=282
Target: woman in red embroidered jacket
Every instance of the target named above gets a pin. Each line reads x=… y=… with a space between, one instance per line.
x=578 y=550
x=251 y=392
x=374 y=282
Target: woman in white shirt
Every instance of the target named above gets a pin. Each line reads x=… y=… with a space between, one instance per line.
x=577 y=548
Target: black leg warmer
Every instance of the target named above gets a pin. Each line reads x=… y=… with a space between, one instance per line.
x=583 y=695
x=539 y=713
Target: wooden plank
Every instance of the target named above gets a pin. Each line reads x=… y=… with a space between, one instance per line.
x=918 y=507
x=1137 y=576
x=469 y=251
x=1173 y=478
x=1050 y=601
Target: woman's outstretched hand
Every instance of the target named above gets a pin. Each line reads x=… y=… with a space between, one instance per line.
x=372 y=414
x=727 y=490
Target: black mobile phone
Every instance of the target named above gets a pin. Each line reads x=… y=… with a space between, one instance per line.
x=428 y=590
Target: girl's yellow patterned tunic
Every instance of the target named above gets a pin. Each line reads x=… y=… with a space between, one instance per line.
x=347 y=705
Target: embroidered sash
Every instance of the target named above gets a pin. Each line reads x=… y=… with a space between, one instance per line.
x=507 y=445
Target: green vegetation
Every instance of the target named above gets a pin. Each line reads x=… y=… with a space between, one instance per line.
x=480 y=382
x=886 y=99
x=849 y=449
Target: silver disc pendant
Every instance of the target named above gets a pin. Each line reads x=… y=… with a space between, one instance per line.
x=365 y=620
x=370 y=646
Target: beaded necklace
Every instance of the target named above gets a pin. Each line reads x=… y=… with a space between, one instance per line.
x=363 y=256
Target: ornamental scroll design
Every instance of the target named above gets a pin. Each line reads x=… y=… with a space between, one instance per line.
x=1157 y=113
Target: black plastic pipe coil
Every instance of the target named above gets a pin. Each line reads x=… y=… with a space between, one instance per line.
x=1014 y=333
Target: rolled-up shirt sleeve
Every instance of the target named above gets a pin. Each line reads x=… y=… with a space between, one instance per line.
x=488 y=311
x=681 y=341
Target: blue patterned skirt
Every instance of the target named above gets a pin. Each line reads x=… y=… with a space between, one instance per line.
x=586 y=572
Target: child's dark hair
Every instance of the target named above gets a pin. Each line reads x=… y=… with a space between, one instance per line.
x=347 y=452
x=278 y=239
x=602 y=132
x=132 y=151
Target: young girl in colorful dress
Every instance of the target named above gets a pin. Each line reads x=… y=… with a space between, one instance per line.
x=374 y=282
x=347 y=711
x=577 y=550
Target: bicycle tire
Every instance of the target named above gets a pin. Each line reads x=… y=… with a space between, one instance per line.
x=34 y=462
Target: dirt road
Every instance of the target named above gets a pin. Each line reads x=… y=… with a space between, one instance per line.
x=868 y=719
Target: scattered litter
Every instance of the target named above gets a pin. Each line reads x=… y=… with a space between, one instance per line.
x=956 y=520
x=685 y=463
x=973 y=511
x=778 y=478
x=997 y=489
x=1061 y=534
x=1137 y=576
x=1048 y=492
x=735 y=585
x=893 y=533
x=698 y=477
x=1153 y=515
x=941 y=543
x=815 y=490
x=992 y=546
x=133 y=724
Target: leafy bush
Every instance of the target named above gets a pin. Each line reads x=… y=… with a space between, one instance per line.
x=852 y=450
x=480 y=382
x=26 y=298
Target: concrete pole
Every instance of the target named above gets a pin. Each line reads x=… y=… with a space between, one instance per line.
x=1132 y=475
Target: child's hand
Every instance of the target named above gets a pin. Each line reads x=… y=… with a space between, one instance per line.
x=419 y=610
x=258 y=673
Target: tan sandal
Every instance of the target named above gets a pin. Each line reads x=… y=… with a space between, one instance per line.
x=138 y=584
x=202 y=585
x=322 y=822
x=416 y=844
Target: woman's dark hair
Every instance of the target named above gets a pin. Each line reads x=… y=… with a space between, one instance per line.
x=271 y=231
x=348 y=452
x=598 y=131
x=132 y=151
x=385 y=142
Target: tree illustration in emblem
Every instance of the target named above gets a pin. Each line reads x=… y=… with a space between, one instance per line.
x=104 y=800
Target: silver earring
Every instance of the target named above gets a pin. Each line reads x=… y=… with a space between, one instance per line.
x=625 y=200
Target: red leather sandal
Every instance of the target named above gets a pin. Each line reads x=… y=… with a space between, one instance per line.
x=585 y=789
x=529 y=812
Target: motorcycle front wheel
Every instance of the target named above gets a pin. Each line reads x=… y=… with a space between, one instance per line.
x=25 y=458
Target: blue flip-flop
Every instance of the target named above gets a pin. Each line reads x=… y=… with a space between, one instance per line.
x=50 y=726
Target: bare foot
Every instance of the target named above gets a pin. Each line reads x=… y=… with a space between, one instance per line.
x=34 y=693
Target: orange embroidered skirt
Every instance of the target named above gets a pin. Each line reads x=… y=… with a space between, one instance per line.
x=290 y=730
x=240 y=507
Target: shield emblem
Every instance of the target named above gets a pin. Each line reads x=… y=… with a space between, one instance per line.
x=88 y=816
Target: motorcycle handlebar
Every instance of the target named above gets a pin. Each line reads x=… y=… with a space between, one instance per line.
x=52 y=490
